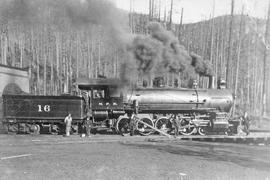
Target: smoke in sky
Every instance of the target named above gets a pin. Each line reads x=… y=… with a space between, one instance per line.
x=160 y=53
x=63 y=14
x=201 y=67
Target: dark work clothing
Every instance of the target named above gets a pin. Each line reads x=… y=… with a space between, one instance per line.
x=246 y=124
x=88 y=127
x=132 y=125
x=175 y=122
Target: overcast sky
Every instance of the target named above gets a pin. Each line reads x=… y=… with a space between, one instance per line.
x=197 y=10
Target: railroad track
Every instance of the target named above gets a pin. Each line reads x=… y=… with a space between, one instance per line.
x=256 y=139
x=239 y=140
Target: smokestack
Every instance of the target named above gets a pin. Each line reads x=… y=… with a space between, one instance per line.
x=211 y=83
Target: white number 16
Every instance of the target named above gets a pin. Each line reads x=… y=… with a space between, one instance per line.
x=46 y=108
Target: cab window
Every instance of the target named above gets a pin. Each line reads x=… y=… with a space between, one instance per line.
x=115 y=92
x=98 y=94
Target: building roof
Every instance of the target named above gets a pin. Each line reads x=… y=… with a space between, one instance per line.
x=13 y=67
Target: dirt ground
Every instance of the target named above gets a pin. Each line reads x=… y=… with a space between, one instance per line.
x=116 y=157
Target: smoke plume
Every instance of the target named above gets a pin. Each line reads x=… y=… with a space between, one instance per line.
x=77 y=12
x=160 y=53
x=174 y=57
x=64 y=14
x=203 y=68
x=146 y=51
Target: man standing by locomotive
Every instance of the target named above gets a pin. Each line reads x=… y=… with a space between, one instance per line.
x=246 y=123
x=175 y=122
x=68 y=121
x=133 y=116
x=88 y=126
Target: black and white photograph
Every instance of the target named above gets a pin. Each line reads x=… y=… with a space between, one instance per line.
x=134 y=89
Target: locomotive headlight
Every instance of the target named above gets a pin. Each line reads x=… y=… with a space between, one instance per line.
x=114 y=104
x=107 y=104
x=100 y=104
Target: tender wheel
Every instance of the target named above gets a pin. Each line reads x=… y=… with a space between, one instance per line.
x=35 y=128
x=74 y=129
x=5 y=126
x=187 y=127
x=28 y=128
x=202 y=131
x=54 y=129
x=122 y=126
x=143 y=129
x=164 y=125
x=13 y=128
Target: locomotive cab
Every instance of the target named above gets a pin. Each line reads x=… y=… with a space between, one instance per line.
x=104 y=100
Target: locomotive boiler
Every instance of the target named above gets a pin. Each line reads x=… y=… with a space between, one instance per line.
x=181 y=100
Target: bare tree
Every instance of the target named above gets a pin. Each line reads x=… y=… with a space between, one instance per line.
x=264 y=89
x=180 y=24
x=171 y=14
x=238 y=57
x=228 y=76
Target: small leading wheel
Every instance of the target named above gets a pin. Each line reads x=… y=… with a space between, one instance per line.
x=187 y=127
x=144 y=129
x=202 y=131
x=122 y=126
x=163 y=124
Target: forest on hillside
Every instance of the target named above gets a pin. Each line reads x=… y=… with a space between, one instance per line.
x=61 y=41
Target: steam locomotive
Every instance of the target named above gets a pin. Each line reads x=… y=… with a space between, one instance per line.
x=111 y=106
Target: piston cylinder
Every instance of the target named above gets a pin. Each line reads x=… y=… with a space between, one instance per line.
x=100 y=114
